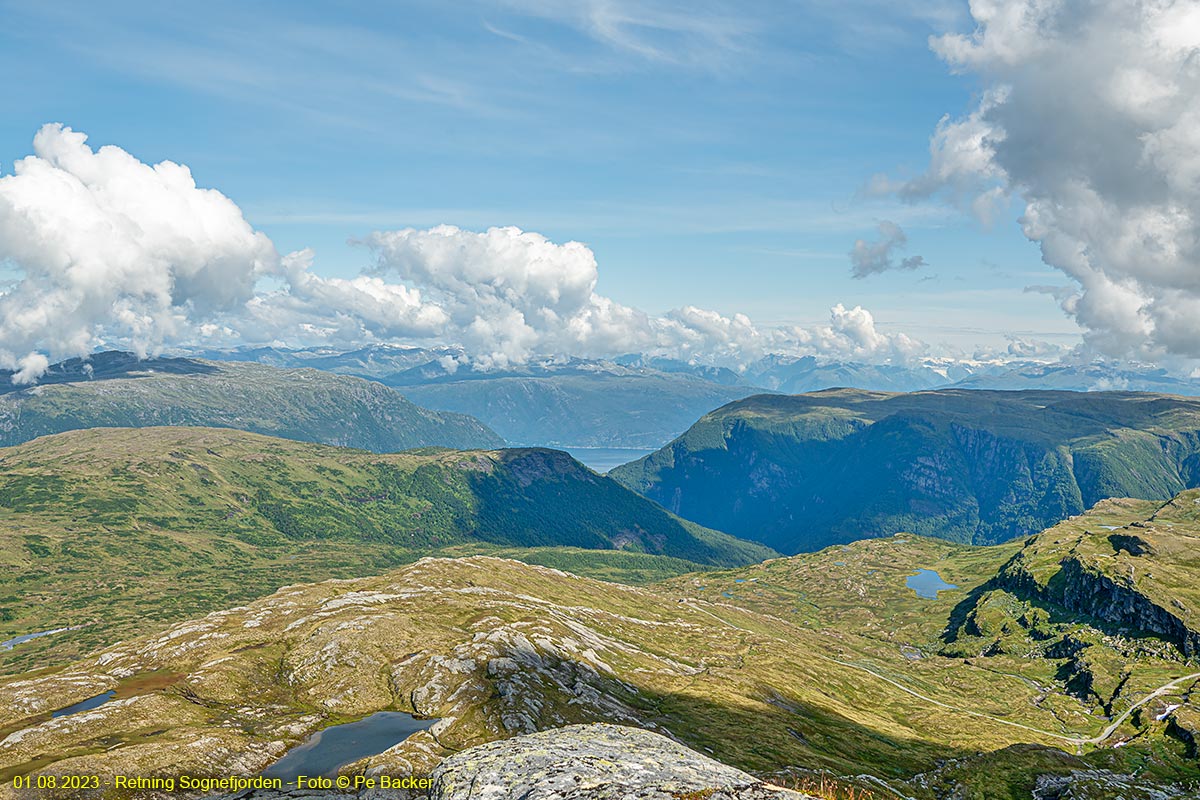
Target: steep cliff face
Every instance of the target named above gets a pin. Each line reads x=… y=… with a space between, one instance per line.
x=1131 y=581
x=1117 y=602
x=803 y=472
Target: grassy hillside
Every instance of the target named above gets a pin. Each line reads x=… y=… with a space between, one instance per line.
x=799 y=473
x=1079 y=587
x=116 y=390
x=1023 y=628
x=116 y=529
x=822 y=662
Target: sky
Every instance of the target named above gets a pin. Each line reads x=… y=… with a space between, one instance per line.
x=870 y=180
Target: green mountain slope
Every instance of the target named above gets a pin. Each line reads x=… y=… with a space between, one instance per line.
x=1069 y=624
x=825 y=661
x=112 y=528
x=802 y=472
x=116 y=390
x=1077 y=586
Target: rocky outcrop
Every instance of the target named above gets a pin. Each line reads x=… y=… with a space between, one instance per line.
x=1104 y=785
x=594 y=762
x=1084 y=590
x=578 y=762
x=1089 y=592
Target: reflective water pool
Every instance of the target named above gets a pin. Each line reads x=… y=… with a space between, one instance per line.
x=927 y=583
x=84 y=705
x=327 y=750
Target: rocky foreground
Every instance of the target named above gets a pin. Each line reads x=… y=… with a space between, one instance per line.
x=580 y=762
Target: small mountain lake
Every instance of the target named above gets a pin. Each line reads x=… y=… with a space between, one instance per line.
x=327 y=750
x=8 y=645
x=927 y=583
x=85 y=705
x=602 y=459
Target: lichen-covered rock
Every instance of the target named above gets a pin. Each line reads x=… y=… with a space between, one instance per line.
x=1104 y=785
x=596 y=762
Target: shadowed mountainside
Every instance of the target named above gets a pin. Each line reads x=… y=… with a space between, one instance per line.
x=802 y=472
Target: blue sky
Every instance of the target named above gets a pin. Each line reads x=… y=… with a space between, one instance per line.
x=710 y=156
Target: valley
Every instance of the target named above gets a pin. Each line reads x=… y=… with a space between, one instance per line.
x=203 y=600
x=118 y=531
x=824 y=662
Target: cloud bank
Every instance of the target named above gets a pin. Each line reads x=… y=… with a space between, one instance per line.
x=109 y=251
x=1091 y=116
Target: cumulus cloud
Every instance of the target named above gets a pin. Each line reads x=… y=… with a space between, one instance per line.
x=850 y=335
x=872 y=258
x=108 y=251
x=1090 y=118
x=1035 y=349
x=29 y=368
x=511 y=294
x=101 y=241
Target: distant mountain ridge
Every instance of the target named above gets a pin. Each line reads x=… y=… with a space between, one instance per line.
x=786 y=374
x=801 y=472
x=643 y=401
x=629 y=402
x=118 y=390
x=577 y=403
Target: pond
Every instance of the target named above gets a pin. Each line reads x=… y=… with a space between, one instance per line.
x=327 y=750
x=8 y=645
x=85 y=705
x=927 y=583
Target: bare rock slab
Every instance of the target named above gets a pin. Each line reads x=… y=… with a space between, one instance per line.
x=594 y=762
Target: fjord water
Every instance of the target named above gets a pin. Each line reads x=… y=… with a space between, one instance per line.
x=602 y=459
x=327 y=750
x=927 y=583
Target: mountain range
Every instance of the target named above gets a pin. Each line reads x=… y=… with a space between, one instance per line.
x=573 y=404
x=802 y=472
x=116 y=389
x=642 y=401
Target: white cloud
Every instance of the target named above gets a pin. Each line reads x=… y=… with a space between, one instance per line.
x=108 y=251
x=30 y=368
x=1089 y=116
x=511 y=294
x=851 y=335
x=102 y=242
x=872 y=258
